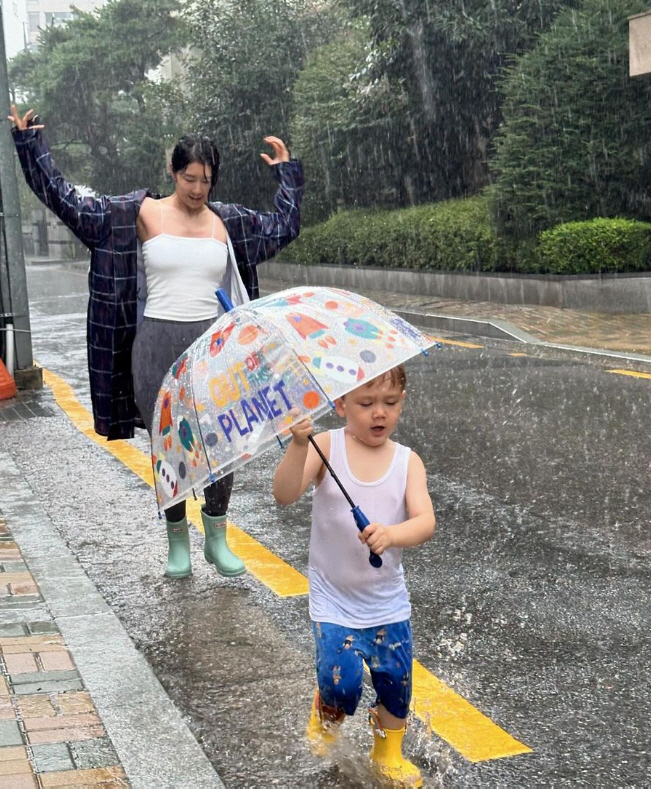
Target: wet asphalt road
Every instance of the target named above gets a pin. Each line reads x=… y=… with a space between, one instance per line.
x=532 y=601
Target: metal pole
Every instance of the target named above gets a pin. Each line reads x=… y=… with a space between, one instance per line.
x=18 y=305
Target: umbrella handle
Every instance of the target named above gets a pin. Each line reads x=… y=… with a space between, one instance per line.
x=222 y=298
x=362 y=522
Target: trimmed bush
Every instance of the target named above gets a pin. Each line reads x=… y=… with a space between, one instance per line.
x=454 y=235
x=574 y=143
x=596 y=246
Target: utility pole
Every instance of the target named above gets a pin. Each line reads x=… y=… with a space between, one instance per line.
x=15 y=308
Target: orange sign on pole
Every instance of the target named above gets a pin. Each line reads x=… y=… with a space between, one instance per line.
x=7 y=383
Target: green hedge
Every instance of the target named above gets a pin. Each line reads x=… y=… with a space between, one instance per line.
x=596 y=246
x=454 y=235
x=458 y=235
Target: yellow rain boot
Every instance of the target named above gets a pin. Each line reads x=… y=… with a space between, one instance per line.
x=386 y=755
x=323 y=727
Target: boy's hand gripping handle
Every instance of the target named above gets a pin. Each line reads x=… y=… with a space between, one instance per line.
x=362 y=522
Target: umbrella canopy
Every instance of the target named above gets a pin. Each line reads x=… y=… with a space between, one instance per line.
x=229 y=396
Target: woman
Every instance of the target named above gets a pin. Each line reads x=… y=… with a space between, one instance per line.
x=190 y=247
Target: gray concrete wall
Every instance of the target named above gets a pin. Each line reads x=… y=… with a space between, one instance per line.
x=614 y=293
x=45 y=236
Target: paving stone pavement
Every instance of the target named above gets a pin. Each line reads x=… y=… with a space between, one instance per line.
x=619 y=333
x=50 y=732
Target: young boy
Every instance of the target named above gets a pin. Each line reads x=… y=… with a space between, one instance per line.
x=361 y=613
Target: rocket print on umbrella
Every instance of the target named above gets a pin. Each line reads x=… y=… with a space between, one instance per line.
x=310 y=328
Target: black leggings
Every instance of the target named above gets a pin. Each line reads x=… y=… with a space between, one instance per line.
x=217 y=497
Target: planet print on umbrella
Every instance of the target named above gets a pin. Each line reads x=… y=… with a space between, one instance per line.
x=248 y=334
x=361 y=328
x=311 y=399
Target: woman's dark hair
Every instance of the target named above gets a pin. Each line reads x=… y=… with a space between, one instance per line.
x=196 y=148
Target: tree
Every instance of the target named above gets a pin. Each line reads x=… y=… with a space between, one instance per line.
x=247 y=57
x=335 y=128
x=575 y=143
x=89 y=82
x=443 y=60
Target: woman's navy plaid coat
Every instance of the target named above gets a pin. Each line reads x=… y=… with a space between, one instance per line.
x=107 y=226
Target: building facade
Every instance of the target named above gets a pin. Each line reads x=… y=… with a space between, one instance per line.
x=45 y=13
x=16 y=26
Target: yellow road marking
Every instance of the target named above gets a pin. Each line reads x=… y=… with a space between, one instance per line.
x=634 y=373
x=517 y=354
x=268 y=568
x=441 y=709
x=456 y=342
x=456 y=721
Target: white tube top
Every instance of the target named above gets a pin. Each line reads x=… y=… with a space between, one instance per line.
x=182 y=276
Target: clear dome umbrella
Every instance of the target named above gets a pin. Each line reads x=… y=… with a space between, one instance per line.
x=261 y=368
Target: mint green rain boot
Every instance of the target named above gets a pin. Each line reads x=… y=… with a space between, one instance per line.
x=178 y=550
x=215 y=548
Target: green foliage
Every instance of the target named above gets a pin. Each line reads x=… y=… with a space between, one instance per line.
x=339 y=129
x=89 y=82
x=441 y=62
x=454 y=235
x=575 y=142
x=598 y=246
x=247 y=57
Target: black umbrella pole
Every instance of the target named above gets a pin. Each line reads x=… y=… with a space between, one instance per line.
x=360 y=519
x=329 y=467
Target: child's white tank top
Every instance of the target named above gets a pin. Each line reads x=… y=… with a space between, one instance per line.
x=344 y=588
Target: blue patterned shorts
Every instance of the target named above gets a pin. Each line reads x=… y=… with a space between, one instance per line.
x=340 y=656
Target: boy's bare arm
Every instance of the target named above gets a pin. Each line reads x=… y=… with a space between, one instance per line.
x=300 y=465
x=421 y=523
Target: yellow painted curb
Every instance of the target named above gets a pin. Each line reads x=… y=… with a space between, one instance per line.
x=458 y=343
x=456 y=721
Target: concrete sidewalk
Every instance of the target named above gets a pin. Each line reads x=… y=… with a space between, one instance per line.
x=601 y=331
x=618 y=333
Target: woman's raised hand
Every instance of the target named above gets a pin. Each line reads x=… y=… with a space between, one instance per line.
x=23 y=123
x=280 y=152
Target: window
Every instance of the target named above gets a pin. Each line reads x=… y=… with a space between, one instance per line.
x=56 y=18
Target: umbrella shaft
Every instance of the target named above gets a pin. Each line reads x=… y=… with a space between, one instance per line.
x=329 y=467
